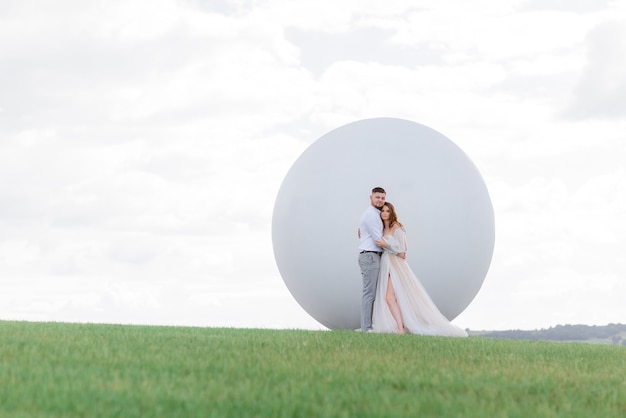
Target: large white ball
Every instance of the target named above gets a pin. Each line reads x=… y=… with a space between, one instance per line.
x=438 y=193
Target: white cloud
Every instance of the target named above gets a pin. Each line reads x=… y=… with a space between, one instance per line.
x=479 y=35
x=559 y=250
x=601 y=92
x=579 y=6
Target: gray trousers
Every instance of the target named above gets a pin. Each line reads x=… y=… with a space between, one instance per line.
x=370 y=266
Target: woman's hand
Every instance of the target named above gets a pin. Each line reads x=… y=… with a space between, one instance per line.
x=381 y=243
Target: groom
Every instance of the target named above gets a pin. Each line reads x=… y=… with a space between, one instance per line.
x=370 y=230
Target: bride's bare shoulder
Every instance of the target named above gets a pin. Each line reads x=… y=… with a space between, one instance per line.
x=395 y=228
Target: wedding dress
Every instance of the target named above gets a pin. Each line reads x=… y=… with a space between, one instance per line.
x=419 y=313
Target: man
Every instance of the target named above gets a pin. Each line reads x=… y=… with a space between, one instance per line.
x=370 y=230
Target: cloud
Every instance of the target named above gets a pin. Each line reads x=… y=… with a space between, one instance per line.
x=170 y=66
x=601 y=92
x=557 y=249
x=579 y=6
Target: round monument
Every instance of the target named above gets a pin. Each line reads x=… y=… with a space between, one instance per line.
x=440 y=198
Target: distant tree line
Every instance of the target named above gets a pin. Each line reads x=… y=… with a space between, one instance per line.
x=614 y=333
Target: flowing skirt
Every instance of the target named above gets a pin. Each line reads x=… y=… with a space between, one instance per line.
x=419 y=313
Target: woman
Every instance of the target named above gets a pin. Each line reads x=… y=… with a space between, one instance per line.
x=402 y=304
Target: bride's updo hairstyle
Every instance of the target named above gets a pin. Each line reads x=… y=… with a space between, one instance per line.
x=393 y=216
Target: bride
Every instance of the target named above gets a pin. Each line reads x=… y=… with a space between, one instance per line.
x=402 y=304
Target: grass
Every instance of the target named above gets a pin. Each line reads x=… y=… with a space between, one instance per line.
x=87 y=370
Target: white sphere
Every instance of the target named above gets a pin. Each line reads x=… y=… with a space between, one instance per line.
x=439 y=196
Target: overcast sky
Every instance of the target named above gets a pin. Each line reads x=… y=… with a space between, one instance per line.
x=143 y=143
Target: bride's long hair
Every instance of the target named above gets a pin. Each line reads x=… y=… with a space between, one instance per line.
x=393 y=216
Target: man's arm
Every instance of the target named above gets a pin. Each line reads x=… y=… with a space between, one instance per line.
x=373 y=225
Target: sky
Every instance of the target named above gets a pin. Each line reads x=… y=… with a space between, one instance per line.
x=143 y=144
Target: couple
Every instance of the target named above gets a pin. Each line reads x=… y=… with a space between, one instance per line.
x=394 y=300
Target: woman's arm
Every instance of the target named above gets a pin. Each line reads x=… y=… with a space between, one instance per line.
x=396 y=244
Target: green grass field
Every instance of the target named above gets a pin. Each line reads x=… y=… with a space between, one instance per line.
x=87 y=370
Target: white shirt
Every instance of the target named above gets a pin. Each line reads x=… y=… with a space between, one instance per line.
x=371 y=227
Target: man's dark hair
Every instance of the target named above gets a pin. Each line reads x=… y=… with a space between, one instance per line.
x=378 y=190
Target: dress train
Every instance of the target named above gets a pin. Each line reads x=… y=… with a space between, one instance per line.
x=419 y=313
